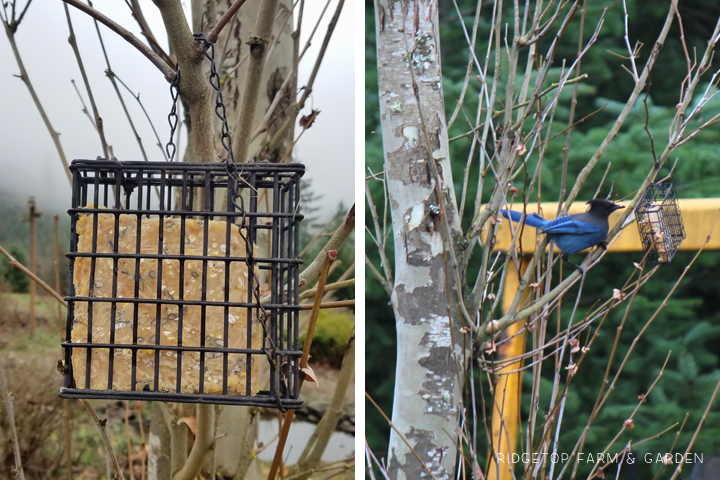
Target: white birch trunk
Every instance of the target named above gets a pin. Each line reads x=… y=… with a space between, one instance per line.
x=429 y=366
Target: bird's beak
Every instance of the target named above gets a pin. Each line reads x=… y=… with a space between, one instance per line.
x=617 y=207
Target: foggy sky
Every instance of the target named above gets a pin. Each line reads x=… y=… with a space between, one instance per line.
x=29 y=161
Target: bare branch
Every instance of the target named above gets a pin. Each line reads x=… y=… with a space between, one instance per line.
x=342 y=233
x=321 y=54
x=471 y=60
x=168 y=71
x=639 y=86
x=224 y=20
x=258 y=49
x=22 y=14
x=137 y=97
x=194 y=87
x=378 y=276
x=33 y=277
x=307 y=89
x=379 y=236
x=332 y=286
x=98 y=119
x=134 y=6
x=339 y=304
x=292 y=77
x=18 y=473
x=204 y=440
x=108 y=446
x=82 y=101
x=111 y=76
x=328 y=259
x=317 y=443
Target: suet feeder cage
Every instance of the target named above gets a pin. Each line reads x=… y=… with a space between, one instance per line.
x=660 y=223
x=180 y=291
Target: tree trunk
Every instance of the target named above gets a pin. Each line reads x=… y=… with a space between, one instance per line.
x=232 y=66
x=231 y=58
x=425 y=296
x=159 y=461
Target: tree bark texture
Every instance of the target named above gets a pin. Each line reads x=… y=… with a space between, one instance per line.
x=194 y=86
x=420 y=187
x=159 y=461
x=231 y=56
x=233 y=53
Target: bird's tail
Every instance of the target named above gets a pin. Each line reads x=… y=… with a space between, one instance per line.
x=533 y=220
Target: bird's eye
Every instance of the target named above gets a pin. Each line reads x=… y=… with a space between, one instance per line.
x=434 y=210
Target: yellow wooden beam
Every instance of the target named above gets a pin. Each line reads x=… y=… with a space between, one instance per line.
x=697 y=214
x=506 y=406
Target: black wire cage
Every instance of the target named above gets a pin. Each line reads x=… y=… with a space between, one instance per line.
x=660 y=222
x=171 y=300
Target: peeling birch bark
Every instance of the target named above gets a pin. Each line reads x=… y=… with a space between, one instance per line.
x=420 y=187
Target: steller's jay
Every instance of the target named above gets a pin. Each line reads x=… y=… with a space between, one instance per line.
x=573 y=233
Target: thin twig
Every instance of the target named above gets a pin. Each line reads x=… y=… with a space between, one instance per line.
x=337 y=240
x=293 y=73
x=400 y=435
x=84 y=107
x=33 y=277
x=471 y=59
x=307 y=89
x=380 y=238
x=332 y=286
x=109 y=73
x=98 y=120
x=340 y=304
x=108 y=446
x=18 y=472
x=328 y=259
x=678 y=469
x=152 y=125
x=382 y=280
x=136 y=10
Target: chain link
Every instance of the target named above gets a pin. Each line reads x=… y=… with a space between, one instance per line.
x=173 y=116
x=233 y=176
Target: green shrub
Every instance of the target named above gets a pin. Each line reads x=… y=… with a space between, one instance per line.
x=17 y=280
x=332 y=334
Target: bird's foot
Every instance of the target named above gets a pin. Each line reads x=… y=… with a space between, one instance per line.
x=566 y=257
x=603 y=245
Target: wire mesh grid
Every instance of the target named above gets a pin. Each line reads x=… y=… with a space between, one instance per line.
x=660 y=222
x=164 y=291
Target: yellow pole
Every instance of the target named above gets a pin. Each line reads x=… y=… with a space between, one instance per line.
x=506 y=408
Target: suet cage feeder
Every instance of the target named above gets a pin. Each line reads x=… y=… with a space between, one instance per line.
x=660 y=222
x=165 y=288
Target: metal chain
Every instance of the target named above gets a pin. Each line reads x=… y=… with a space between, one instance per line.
x=173 y=117
x=233 y=175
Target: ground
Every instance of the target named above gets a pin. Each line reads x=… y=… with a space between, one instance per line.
x=30 y=365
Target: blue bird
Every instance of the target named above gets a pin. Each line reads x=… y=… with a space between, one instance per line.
x=573 y=233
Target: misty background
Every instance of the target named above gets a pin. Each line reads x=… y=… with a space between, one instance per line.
x=29 y=162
